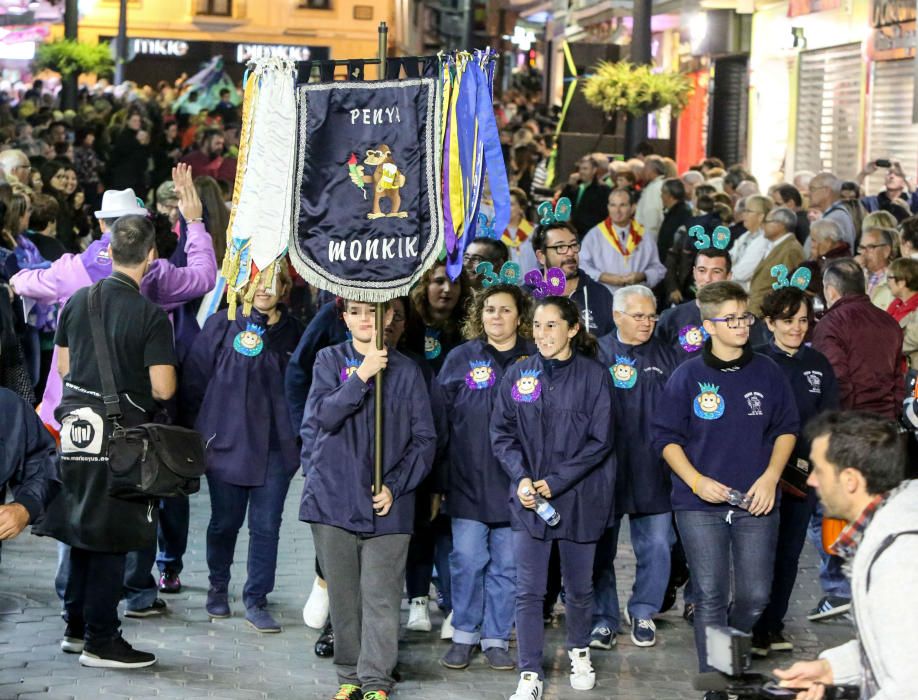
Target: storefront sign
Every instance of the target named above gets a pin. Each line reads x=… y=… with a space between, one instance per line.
x=249 y=52
x=893 y=42
x=796 y=8
x=157 y=47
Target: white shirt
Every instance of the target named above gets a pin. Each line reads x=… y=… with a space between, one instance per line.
x=597 y=256
x=649 y=212
x=748 y=251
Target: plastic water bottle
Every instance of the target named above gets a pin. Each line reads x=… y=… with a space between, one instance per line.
x=739 y=499
x=544 y=509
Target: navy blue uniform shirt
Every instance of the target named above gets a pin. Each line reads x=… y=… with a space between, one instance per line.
x=553 y=421
x=338 y=436
x=463 y=399
x=639 y=374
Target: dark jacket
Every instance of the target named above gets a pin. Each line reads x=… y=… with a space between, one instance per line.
x=338 y=436
x=864 y=346
x=591 y=208
x=326 y=328
x=463 y=399
x=813 y=384
x=28 y=456
x=679 y=258
x=219 y=373
x=817 y=266
x=726 y=419
x=595 y=303
x=676 y=217
x=639 y=373
x=555 y=423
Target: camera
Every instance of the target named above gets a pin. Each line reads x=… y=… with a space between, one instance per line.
x=729 y=650
x=882 y=162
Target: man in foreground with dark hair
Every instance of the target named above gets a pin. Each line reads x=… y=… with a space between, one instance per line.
x=99 y=528
x=858 y=463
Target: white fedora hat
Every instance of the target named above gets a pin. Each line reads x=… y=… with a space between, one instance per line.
x=117 y=203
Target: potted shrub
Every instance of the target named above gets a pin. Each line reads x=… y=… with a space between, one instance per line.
x=623 y=87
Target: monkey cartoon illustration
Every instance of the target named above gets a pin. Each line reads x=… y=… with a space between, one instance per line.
x=386 y=180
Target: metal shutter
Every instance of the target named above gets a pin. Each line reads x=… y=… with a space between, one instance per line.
x=828 y=109
x=891 y=134
x=727 y=115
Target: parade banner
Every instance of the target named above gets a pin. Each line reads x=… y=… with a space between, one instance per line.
x=368 y=219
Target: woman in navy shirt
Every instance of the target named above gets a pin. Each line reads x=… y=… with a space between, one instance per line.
x=788 y=312
x=232 y=384
x=551 y=432
x=482 y=570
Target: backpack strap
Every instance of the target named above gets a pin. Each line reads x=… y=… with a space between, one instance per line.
x=106 y=374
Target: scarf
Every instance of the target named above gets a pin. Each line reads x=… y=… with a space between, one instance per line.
x=522 y=235
x=899 y=309
x=635 y=235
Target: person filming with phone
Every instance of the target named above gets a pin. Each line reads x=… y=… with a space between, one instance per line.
x=895 y=197
x=858 y=463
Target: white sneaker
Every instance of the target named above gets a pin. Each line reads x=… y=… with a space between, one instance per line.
x=583 y=677
x=419 y=615
x=446 y=630
x=529 y=688
x=315 y=612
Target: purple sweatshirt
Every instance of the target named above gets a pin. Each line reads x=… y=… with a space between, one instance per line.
x=164 y=284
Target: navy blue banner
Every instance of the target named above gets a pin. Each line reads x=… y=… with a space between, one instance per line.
x=369 y=219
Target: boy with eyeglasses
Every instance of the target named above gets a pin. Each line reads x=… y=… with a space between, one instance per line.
x=726 y=426
x=557 y=245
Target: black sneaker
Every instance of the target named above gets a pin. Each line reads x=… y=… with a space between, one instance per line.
x=777 y=642
x=688 y=613
x=761 y=644
x=716 y=695
x=158 y=607
x=602 y=638
x=115 y=654
x=829 y=606
x=325 y=644
x=72 y=643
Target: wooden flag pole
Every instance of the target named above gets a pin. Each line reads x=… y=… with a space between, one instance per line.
x=380 y=311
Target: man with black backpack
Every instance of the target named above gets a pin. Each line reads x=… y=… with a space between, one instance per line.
x=99 y=528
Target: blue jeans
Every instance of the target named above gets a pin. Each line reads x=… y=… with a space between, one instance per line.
x=483 y=576
x=140 y=589
x=430 y=546
x=265 y=505
x=652 y=538
x=532 y=557
x=174 y=515
x=831 y=577
x=713 y=540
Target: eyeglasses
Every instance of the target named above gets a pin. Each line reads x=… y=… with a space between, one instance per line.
x=475 y=259
x=564 y=248
x=641 y=318
x=743 y=321
x=891 y=278
x=871 y=246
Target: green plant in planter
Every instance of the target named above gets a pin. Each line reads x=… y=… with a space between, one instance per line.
x=70 y=57
x=625 y=87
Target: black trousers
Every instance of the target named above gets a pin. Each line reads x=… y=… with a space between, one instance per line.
x=92 y=594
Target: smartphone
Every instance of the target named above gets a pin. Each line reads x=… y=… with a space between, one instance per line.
x=882 y=163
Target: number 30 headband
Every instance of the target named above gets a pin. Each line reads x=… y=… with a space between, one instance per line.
x=552 y=284
x=800 y=279
x=719 y=238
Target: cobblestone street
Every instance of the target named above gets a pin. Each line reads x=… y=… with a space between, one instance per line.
x=198 y=658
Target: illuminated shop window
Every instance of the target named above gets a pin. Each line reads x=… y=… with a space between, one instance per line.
x=218 y=8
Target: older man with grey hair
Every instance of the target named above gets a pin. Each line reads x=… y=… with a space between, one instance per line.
x=781 y=248
x=826 y=244
x=640 y=365
x=691 y=179
x=15 y=167
x=825 y=195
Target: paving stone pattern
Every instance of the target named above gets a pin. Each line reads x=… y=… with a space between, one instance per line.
x=200 y=658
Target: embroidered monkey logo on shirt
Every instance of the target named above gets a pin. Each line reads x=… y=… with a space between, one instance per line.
x=624 y=372
x=692 y=337
x=249 y=342
x=709 y=405
x=349 y=368
x=527 y=388
x=432 y=346
x=480 y=376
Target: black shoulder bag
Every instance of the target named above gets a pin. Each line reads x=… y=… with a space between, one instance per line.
x=151 y=460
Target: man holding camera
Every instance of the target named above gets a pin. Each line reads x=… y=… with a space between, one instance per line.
x=858 y=462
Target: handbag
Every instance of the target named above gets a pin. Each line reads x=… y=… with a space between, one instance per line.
x=147 y=461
